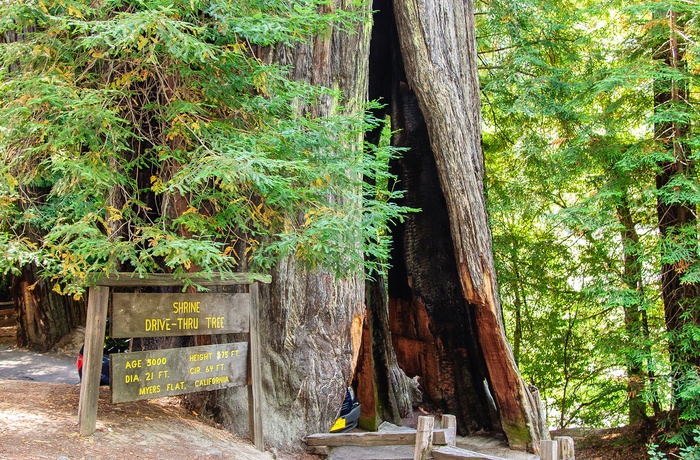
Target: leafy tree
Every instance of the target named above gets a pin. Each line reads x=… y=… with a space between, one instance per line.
x=556 y=136
x=598 y=130
x=145 y=136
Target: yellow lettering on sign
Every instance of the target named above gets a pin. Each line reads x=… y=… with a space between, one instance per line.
x=157 y=324
x=133 y=364
x=175 y=387
x=201 y=356
x=185 y=307
x=187 y=323
x=153 y=389
x=211 y=381
x=131 y=378
x=215 y=322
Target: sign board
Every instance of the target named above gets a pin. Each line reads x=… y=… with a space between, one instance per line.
x=156 y=373
x=164 y=315
x=174 y=371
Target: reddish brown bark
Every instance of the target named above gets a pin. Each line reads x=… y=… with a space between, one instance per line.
x=44 y=316
x=439 y=54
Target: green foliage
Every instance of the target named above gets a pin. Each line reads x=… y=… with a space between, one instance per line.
x=146 y=136
x=570 y=121
x=689 y=452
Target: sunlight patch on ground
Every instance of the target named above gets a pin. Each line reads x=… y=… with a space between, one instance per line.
x=14 y=418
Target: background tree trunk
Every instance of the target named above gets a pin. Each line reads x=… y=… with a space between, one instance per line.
x=677 y=219
x=44 y=316
x=439 y=53
x=636 y=321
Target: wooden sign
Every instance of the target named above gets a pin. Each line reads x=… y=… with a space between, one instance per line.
x=175 y=371
x=161 y=315
x=157 y=373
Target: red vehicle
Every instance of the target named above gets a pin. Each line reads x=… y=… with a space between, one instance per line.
x=111 y=346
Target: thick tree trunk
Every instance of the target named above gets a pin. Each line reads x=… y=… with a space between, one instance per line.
x=439 y=52
x=44 y=316
x=433 y=327
x=310 y=324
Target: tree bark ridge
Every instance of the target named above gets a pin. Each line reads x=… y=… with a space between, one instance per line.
x=439 y=51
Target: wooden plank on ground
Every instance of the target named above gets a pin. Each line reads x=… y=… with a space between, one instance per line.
x=382 y=438
x=454 y=453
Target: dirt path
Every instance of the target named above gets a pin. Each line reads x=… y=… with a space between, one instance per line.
x=39 y=421
x=17 y=364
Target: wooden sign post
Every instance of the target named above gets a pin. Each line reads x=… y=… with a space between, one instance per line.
x=158 y=373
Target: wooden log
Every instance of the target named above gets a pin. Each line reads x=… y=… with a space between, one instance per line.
x=449 y=423
x=255 y=392
x=92 y=352
x=8 y=322
x=166 y=279
x=548 y=450
x=369 y=439
x=424 y=438
x=451 y=453
x=565 y=446
x=322 y=451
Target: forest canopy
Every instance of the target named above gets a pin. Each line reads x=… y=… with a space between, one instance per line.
x=591 y=115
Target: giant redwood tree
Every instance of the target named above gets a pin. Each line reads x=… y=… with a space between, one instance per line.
x=447 y=263
x=227 y=136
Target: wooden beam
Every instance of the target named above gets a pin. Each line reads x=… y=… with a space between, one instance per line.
x=565 y=445
x=255 y=392
x=166 y=279
x=424 y=438
x=549 y=450
x=369 y=439
x=92 y=353
x=449 y=423
x=454 y=453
